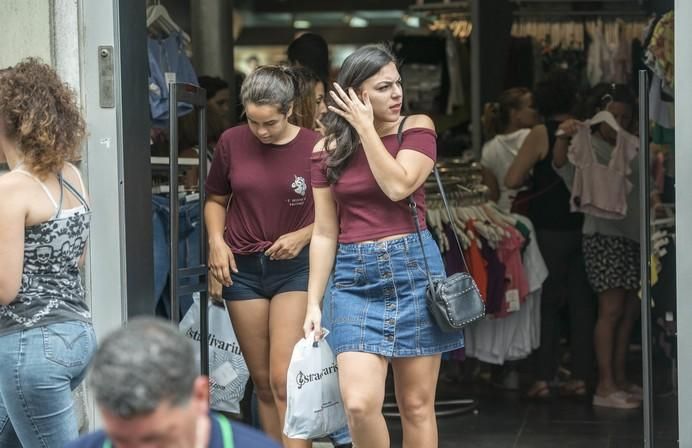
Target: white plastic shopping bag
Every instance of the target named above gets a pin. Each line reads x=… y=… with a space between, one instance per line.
x=228 y=373
x=314 y=405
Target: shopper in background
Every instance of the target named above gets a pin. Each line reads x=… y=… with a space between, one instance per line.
x=310 y=50
x=379 y=313
x=309 y=106
x=146 y=386
x=506 y=123
x=558 y=231
x=46 y=337
x=218 y=120
x=218 y=106
x=611 y=246
x=259 y=214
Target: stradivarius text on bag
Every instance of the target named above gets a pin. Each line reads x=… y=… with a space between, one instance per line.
x=214 y=342
x=303 y=378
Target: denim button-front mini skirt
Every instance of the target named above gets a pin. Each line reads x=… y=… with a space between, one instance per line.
x=378 y=299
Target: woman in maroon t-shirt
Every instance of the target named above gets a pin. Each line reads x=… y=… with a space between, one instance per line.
x=259 y=215
x=361 y=178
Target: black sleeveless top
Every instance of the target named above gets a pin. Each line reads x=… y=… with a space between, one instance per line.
x=549 y=205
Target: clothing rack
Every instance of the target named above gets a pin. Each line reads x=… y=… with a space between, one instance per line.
x=197 y=275
x=571 y=9
x=437 y=7
x=452 y=172
x=566 y=14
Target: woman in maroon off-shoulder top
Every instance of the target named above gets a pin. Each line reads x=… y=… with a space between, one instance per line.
x=362 y=176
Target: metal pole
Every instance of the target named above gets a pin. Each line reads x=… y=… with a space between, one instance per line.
x=683 y=213
x=476 y=107
x=645 y=251
x=203 y=294
x=173 y=182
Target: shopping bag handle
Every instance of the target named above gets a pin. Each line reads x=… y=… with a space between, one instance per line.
x=311 y=336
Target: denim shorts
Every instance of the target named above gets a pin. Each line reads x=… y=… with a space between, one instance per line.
x=260 y=277
x=378 y=299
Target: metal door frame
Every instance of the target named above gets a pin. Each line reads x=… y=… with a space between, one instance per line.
x=113 y=68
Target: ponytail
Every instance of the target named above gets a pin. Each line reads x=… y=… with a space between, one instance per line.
x=496 y=116
x=491 y=120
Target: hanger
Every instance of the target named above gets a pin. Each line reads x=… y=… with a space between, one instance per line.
x=601 y=117
x=605 y=117
x=160 y=21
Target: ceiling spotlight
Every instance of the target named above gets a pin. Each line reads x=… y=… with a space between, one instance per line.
x=412 y=21
x=357 y=22
x=301 y=24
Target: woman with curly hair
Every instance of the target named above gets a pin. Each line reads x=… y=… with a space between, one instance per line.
x=46 y=337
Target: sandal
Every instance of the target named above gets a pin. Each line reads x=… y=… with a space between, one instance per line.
x=574 y=388
x=616 y=400
x=539 y=391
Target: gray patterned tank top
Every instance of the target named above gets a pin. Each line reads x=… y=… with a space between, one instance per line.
x=51 y=289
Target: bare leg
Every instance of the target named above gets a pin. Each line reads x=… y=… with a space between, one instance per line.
x=251 y=324
x=610 y=311
x=286 y=315
x=361 y=378
x=622 y=338
x=415 y=381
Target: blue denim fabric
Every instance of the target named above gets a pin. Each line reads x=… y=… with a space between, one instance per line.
x=259 y=276
x=378 y=303
x=342 y=436
x=39 y=369
x=167 y=55
x=188 y=248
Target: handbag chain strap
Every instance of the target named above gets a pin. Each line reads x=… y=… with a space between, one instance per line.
x=414 y=213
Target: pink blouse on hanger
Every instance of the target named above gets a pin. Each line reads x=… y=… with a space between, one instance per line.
x=599 y=189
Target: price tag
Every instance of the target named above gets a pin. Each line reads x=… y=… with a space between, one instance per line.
x=513 y=301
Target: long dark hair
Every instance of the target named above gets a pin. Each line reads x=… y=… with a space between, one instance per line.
x=362 y=64
x=602 y=94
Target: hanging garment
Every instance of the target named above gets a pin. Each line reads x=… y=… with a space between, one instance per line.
x=534 y=265
x=496 y=279
x=167 y=62
x=509 y=252
x=660 y=111
x=621 y=56
x=660 y=54
x=598 y=189
x=497 y=156
x=456 y=87
x=515 y=336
